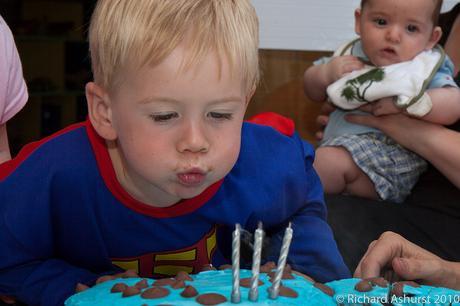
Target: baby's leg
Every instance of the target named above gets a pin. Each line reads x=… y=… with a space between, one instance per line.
x=339 y=173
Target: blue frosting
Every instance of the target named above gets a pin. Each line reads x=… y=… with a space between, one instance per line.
x=205 y=282
x=347 y=295
x=220 y=282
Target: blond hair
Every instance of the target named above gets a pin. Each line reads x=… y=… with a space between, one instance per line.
x=144 y=32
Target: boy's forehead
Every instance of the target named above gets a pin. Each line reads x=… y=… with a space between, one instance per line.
x=180 y=64
x=185 y=59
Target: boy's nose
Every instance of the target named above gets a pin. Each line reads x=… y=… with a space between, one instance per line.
x=393 y=34
x=193 y=139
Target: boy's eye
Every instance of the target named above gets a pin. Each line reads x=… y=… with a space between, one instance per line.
x=412 y=28
x=163 y=117
x=220 y=116
x=380 y=21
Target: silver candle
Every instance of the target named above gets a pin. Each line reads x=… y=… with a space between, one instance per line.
x=274 y=289
x=256 y=255
x=236 y=295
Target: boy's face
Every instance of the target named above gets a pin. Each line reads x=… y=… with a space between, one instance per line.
x=394 y=31
x=177 y=131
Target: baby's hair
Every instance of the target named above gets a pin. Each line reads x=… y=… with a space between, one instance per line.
x=436 y=12
x=135 y=33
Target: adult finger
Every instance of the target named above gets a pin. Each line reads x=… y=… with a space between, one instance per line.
x=357 y=272
x=319 y=135
x=322 y=120
x=387 y=247
x=428 y=271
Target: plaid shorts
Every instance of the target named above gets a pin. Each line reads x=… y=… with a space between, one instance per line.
x=393 y=169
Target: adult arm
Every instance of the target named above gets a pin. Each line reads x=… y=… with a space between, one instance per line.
x=452 y=45
x=442 y=105
x=437 y=144
x=408 y=261
x=4 y=145
x=13 y=89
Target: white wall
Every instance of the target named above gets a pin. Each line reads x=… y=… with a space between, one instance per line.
x=308 y=24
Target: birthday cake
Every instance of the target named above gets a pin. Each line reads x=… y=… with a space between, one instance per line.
x=269 y=284
x=212 y=287
x=215 y=288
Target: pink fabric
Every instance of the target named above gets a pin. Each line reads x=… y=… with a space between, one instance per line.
x=13 y=89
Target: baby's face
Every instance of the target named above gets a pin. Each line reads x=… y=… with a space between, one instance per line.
x=178 y=131
x=394 y=31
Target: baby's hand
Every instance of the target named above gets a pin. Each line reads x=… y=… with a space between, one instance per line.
x=126 y=274
x=341 y=65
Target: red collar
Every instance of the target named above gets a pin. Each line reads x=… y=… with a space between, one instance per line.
x=108 y=174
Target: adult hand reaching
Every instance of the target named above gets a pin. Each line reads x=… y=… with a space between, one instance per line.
x=408 y=261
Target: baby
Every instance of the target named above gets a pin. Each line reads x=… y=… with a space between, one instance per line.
x=396 y=37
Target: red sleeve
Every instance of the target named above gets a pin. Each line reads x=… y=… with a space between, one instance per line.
x=280 y=123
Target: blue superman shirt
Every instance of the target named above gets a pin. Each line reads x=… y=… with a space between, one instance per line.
x=65 y=219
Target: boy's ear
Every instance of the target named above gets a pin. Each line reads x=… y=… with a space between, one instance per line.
x=99 y=111
x=435 y=37
x=358 y=21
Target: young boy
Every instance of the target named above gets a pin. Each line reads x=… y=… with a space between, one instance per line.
x=164 y=168
x=394 y=35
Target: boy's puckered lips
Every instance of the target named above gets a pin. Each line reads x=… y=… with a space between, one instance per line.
x=192 y=177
